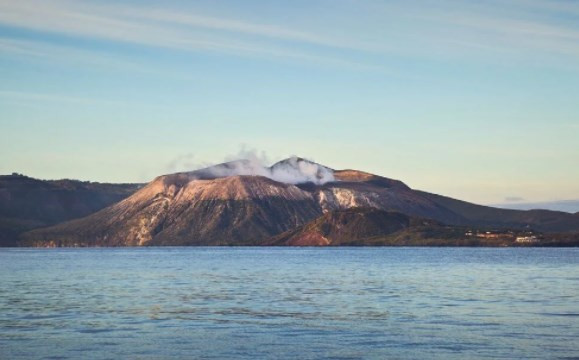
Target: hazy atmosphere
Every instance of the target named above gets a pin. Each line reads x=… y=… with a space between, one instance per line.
x=471 y=100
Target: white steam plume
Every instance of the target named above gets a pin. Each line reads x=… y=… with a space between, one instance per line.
x=293 y=170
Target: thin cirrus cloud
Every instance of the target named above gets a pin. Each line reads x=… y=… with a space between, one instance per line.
x=538 y=27
x=527 y=33
x=167 y=29
x=434 y=29
x=68 y=55
x=27 y=97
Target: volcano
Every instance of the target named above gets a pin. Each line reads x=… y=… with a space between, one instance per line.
x=244 y=203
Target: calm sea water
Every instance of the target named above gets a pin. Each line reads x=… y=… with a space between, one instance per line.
x=339 y=303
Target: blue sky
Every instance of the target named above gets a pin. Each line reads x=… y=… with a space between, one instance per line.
x=475 y=100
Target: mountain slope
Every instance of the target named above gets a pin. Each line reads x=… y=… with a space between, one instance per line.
x=27 y=203
x=243 y=203
x=236 y=210
x=213 y=206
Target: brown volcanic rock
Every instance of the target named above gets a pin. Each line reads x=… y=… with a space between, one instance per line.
x=312 y=238
x=212 y=207
x=361 y=176
x=353 y=175
x=355 y=226
x=201 y=208
x=236 y=210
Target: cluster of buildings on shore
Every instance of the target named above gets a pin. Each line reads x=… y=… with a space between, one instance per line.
x=519 y=237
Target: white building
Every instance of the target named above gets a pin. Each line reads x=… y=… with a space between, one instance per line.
x=527 y=239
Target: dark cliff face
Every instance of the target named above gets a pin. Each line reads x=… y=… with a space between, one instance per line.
x=27 y=203
x=213 y=207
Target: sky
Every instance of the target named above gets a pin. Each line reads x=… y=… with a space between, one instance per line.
x=478 y=100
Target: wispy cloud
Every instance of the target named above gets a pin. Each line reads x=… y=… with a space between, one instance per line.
x=367 y=40
x=69 y=55
x=524 y=33
x=167 y=29
x=510 y=26
x=261 y=30
x=137 y=24
x=59 y=98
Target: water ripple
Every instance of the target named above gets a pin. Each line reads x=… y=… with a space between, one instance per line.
x=215 y=303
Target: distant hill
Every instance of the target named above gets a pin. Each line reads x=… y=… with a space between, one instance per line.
x=27 y=203
x=480 y=215
x=570 y=206
x=242 y=203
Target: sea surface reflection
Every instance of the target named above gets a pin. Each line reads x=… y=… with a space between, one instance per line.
x=307 y=303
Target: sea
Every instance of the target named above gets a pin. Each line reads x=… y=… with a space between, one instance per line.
x=289 y=303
